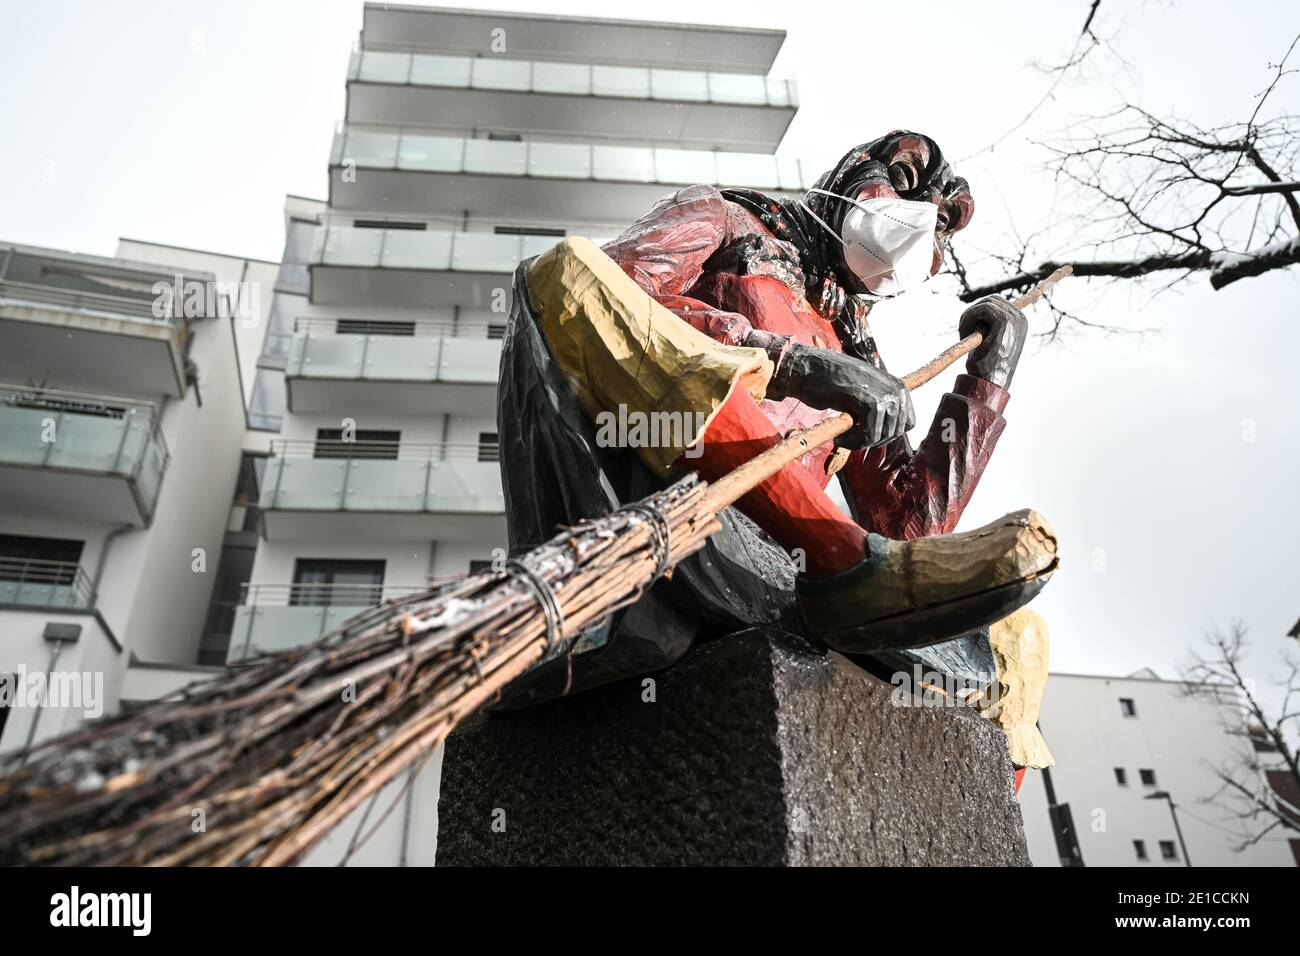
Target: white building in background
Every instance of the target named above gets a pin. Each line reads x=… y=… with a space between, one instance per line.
x=470 y=142
x=368 y=467
x=1121 y=743
x=120 y=420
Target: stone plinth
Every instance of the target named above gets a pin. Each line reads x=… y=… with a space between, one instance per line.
x=755 y=749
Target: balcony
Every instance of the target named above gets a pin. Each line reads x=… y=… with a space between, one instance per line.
x=278 y=617
x=700 y=109
x=589 y=40
x=431 y=175
x=410 y=267
x=375 y=490
x=89 y=457
x=29 y=582
x=398 y=366
x=88 y=322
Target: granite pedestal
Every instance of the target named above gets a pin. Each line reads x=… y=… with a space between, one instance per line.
x=756 y=749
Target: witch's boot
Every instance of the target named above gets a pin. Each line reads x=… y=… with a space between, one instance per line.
x=913 y=593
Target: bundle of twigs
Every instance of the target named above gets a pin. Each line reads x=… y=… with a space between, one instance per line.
x=256 y=766
x=272 y=756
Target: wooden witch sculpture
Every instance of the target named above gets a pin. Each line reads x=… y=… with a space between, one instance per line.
x=723 y=334
x=746 y=320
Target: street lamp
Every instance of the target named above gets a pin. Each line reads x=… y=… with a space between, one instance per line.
x=1173 y=812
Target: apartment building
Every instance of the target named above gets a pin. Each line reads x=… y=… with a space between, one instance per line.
x=337 y=445
x=120 y=420
x=470 y=141
x=1127 y=748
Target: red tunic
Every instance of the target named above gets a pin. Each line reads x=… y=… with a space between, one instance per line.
x=892 y=489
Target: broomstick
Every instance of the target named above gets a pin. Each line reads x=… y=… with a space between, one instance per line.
x=256 y=766
x=945 y=358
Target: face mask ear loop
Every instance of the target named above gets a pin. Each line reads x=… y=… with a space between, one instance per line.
x=821 y=221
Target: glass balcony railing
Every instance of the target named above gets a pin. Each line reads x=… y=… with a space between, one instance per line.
x=421 y=249
x=46 y=428
x=278 y=617
x=414 y=477
x=30 y=582
x=396 y=352
x=415 y=151
x=69 y=283
x=572 y=79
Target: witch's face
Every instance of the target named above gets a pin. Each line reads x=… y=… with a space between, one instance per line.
x=905 y=169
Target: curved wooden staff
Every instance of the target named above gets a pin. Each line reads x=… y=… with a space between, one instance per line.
x=936 y=365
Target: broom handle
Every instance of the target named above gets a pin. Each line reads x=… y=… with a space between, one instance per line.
x=971 y=342
x=732 y=486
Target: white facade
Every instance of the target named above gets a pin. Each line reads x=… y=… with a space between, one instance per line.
x=120 y=420
x=344 y=451
x=1162 y=740
x=470 y=141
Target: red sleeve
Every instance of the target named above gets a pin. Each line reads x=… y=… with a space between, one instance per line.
x=664 y=253
x=902 y=494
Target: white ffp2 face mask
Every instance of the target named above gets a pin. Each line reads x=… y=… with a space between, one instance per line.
x=888 y=243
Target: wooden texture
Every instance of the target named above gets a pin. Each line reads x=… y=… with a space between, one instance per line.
x=1020 y=645
x=625 y=355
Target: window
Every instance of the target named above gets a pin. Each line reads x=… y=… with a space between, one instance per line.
x=340 y=583
x=292 y=275
x=1148 y=777
x=1121 y=777
x=39 y=560
x=365 y=443
x=1127 y=707
x=1167 y=850
x=373 y=327
x=528 y=231
x=1140 y=849
x=488 y=448
x=386 y=224
x=285 y=307
x=248 y=485
x=496 y=330
x=297 y=240
x=266 y=407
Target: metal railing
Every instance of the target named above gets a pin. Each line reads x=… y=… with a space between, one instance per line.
x=420 y=150
x=430 y=250
x=332 y=448
x=575 y=79
x=134 y=308
x=302 y=594
x=33 y=582
x=87 y=404
x=416 y=328
x=273 y=617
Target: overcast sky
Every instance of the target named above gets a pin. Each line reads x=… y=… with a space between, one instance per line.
x=187 y=123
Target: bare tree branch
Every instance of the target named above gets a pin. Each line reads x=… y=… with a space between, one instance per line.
x=1249 y=786
x=1074 y=59
x=1154 y=194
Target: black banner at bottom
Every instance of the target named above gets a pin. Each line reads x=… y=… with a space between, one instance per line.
x=328 y=906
